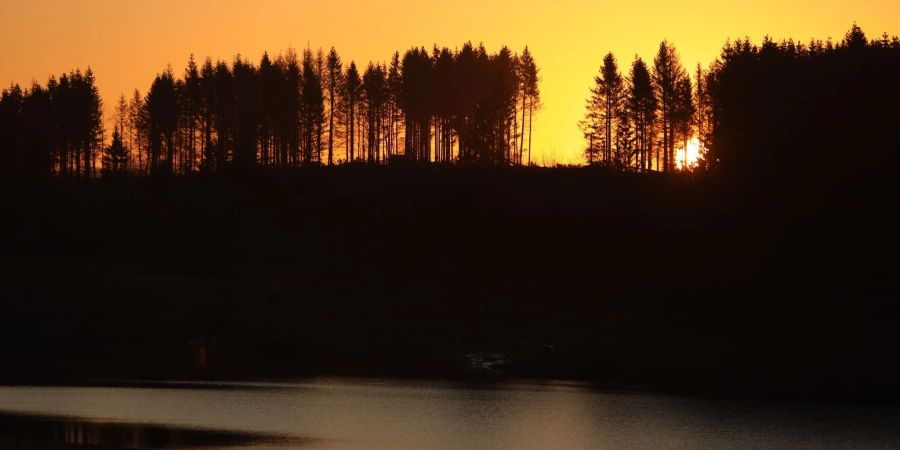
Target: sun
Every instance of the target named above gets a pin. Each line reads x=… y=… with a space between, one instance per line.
x=687 y=160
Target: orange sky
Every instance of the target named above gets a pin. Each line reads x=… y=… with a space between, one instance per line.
x=128 y=41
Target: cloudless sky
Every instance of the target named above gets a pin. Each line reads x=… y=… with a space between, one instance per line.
x=127 y=42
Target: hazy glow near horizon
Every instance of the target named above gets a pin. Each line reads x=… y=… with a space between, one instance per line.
x=128 y=42
x=688 y=157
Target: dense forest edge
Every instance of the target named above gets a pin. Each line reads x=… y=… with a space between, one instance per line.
x=414 y=238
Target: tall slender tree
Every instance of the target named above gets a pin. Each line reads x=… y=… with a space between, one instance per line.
x=415 y=100
x=137 y=131
x=684 y=118
x=667 y=74
x=39 y=122
x=162 y=116
x=352 y=88
x=642 y=108
x=604 y=110
x=191 y=95
x=247 y=113
x=376 y=95
x=531 y=93
x=394 y=113
x=12 y=150
x=208 y=118
x=333 y=79
x=115 y=157
x=311 y=109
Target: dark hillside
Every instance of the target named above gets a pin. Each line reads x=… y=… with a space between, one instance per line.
x=667 y=281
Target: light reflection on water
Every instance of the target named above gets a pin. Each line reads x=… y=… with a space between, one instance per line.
x=349 y=413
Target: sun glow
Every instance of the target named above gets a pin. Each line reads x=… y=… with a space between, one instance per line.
x=687 y=159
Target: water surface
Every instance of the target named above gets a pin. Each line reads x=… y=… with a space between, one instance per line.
x=349 y=413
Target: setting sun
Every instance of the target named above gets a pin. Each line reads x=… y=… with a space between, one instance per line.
x=688 y=159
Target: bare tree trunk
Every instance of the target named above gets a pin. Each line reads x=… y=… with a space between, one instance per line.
x=331 y=124
x=352 y=131
x=522 y=140
x=530 y=122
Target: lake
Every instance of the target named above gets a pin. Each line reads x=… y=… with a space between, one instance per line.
x=394 y=414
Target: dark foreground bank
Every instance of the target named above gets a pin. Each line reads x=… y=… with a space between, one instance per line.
x=675 y=283
x=28 y=432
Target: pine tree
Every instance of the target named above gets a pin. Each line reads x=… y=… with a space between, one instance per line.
x=667 y=74
x=642 y=110
x=136 y=127
x=684 y=118
x=162 y=121
x=333 y=80
x=311 y=109
x=531 y=92
x=603 y=111
x=352 y=87
x=115 y=157
x=191 y=95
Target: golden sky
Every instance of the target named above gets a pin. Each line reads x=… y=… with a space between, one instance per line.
x=127 y=42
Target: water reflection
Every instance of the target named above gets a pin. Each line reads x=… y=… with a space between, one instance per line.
x=388 y=414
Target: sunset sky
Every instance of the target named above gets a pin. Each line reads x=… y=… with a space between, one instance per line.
x=126 y=42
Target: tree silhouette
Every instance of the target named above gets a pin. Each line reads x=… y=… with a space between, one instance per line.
x=208 y=119
x=224 y=101
x=136 y=131
x=162 y=118
x=467 y=106
x=415 y=98
x=442 y=85
x=604 y=111
x=667 y=75
x=333 y=79
x=376 y=96
x=394 y=114
x=247 y=113
x=269 y=80
x=39 y=122
x=80 y=117
x=642 y=107
x=503 y=95
x=531 y=94
x=52 y=129
x=834 y=101
x=702 y=117
x=312 y=111
x=352 y=90
x=11 y=109
x=115 y=157
x=190 y=111
x=289 y=115
x=684 y=116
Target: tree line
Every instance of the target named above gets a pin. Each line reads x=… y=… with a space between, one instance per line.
x=754 y=105
x=467 y=106
x=54 y=128
x=645 y=120
x=824 y=109
x=773 y=106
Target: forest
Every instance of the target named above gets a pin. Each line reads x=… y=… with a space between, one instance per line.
x=756 y=108
x=443 y=106
x=465 y=106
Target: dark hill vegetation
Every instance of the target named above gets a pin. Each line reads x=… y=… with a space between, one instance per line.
x=674 y=281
